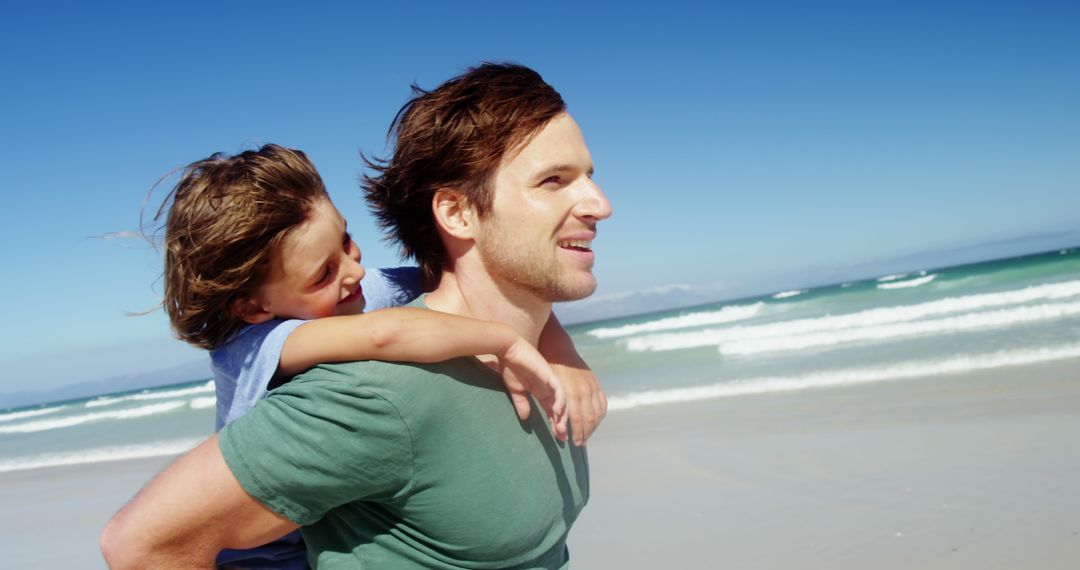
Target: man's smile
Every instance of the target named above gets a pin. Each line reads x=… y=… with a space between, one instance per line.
x=579 y=242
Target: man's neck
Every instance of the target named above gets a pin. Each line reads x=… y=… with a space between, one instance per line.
x=475 y=294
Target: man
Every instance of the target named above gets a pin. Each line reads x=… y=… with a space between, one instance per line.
x=399 y=465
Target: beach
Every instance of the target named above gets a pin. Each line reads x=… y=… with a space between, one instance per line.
x=952 y=471
x=973 y=471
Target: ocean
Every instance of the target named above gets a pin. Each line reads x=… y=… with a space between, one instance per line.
x=931 y=323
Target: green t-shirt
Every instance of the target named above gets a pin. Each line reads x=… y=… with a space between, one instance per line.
x=393 y=465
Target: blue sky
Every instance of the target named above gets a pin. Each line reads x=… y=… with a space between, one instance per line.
x=746 y=147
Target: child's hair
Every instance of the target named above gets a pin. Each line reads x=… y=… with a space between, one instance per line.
x=227 y=216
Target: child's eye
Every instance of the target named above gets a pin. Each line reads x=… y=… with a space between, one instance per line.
x=324 y=276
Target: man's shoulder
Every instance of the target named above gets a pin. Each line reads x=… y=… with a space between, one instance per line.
x=393 y=380
x=367 y=372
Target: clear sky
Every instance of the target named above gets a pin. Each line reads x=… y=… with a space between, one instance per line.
x=746 y=147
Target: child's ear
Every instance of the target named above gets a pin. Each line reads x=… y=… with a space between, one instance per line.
x=453 y=213
x=249 y=310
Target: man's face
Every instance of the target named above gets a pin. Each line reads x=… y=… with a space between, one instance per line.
x=538 y=235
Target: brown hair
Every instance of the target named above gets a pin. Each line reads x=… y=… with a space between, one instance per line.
x=453 y=137
x=226 y=218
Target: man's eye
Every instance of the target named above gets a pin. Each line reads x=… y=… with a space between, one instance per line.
x=551 y=180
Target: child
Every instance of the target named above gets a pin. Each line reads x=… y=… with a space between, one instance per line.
x=260 y=270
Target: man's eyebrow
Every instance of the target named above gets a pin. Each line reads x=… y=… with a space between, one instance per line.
x=557 y=168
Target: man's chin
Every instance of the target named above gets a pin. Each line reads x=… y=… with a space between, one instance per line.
x=575 y=291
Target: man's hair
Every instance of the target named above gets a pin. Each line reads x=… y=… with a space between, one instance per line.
x=227 y=218
x=453 y=137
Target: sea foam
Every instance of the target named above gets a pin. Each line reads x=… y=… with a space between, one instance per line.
x=202 y=403
x=861 y=319
x=948 y=325
x=908 y=283
x=58 y=423
x=150 y=395
x=728 y=314
x=845 y=377
x=10 y=416
x=100 y=454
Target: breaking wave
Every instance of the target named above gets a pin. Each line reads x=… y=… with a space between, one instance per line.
x=729 y=314
x=58 y=423
x=865 y=321
x=844 y=377
x=100 y=454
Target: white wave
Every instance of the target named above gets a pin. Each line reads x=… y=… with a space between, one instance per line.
x=203 y=403
x=909 y=283
x=867 y=318
x=10 y=416
x=845 y=377
x=100 y=455
x=786 y=294
x=948 y=325
x=102 y=401
x=44 y=425
x=888 y=278
x=728 y=314
x=150 y=395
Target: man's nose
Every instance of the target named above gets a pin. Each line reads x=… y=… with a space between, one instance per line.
x=595 y=204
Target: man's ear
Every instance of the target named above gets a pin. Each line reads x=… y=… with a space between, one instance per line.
x=453 y=213
x=249 y=310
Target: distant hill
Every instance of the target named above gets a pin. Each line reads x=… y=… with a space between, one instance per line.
x=186 y=372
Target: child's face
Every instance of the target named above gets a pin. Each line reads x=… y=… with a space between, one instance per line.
x=317 y=272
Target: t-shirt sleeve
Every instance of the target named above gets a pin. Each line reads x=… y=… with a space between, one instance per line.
x=317 y=443
x=244 y=366
x=391 y=287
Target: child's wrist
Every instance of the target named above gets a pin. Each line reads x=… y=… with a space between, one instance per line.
x=508 y=338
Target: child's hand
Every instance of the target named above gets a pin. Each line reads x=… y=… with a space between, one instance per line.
x=526 y=372
x=585 y=399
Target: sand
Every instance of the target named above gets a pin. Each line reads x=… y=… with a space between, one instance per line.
x=946 y=472
x=950 y=472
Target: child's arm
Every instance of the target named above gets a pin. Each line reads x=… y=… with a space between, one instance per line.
x=407 y=334
x=584 y=397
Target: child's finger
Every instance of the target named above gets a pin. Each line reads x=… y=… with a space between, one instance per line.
x=521 y=405
x=559 y=407
x=557 y=415
x=577 y=421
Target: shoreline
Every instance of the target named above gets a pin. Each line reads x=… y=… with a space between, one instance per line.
x=958 y=471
